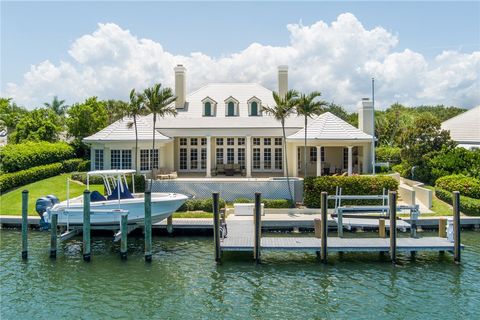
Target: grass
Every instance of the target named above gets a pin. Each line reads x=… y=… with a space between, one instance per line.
x=193 y=214
x=11 y=202
x=439 y=207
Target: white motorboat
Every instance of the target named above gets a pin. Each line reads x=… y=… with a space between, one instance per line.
x=107 y=210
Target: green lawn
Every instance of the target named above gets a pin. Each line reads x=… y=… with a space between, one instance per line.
x=11 y=202
x=439 y=207
x=193 y=214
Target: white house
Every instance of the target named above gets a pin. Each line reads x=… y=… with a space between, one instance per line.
x=465 y=128
x=221 y=126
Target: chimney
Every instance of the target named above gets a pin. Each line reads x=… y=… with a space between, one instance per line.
x=180 y=86
x=365 y=116
x=282 y=80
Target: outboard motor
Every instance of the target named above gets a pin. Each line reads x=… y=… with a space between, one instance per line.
x=41 y=206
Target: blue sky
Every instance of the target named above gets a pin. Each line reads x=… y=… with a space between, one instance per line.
x=33 y=32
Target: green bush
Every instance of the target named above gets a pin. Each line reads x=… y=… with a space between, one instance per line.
x=468 y=205
x=201 y=205
x=75 y=165
x=243 y=200
x=16 y=157
x=353 y=185
x=82 y=177
x=467 y=186
x=455 y=161
x=388 y=154
x=139 y=180
x=268 y=203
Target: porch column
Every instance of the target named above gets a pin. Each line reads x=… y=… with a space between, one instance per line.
x=350 y=160
x=248 y=157
x=209 y=157
x=319 y=161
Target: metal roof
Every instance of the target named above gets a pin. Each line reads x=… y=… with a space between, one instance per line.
x=465 y=128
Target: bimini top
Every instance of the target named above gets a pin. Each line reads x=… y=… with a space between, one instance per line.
x=110 y=172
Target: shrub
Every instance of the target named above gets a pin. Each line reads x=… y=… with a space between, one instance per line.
x=75 y=165
x=468 y=205
x=268 y=203
x=201 y=205
x=353 y=185
x=388 y=154
x=243 y=200
x=467 y=186
x=455 y=161
x=16 y=157
x=82 y=177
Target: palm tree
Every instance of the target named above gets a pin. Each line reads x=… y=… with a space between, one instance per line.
x=285 y=105
x=57 y=106
x=134 y=109
x=159 y=101
x=308 y=107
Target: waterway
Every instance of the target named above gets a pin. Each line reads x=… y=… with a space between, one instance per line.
x=183 y=282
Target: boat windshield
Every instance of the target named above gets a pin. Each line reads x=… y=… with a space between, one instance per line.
x=112 y=179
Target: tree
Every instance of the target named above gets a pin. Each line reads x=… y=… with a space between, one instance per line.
x=308 y=107
x=115 y=109
x=134 y=109
x=10 y=115
x=159 y=101
x=85 y=119
x=285 y=105
x=38 y=125
x=56 y=106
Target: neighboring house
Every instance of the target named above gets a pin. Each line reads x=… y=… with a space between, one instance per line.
x=3 y=137
x=465 y=128
x=223 y=124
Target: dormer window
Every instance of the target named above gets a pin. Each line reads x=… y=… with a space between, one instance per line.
x=254 y=107
x=209 y=107
x=231 y=107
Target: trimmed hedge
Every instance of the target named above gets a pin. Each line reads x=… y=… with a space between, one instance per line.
x=353 y=185
x=9 y=181
x=22 y=156
x=200 y=205
x=468 y=205
x=269 y=203
x=139 y=180
x=467 y=186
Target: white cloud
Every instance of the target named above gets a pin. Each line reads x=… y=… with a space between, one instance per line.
x=338 y=59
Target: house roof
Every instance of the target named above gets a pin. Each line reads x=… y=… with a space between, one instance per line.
x=330 y=127
x=120 y=131
x=465 y=127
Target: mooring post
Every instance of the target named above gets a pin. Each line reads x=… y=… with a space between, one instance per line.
x=317 y=223
x=216 y=227
x=24 y=224
x=86 y=226
x=257 y=220
x=381 y=228
x=442 y=227
x=170 y=225
x=53 y=235
x=456 y=226
x=148 y=226
x=392 y=201
x=123 y=238
x=324 y=224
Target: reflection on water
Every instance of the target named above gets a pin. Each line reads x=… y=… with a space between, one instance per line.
x=183 y=281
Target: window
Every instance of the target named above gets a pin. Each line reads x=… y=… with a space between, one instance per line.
x=193 y=159
x=230 y=141
x=256 y=158
x=231 y=109
x=115 y=159
x=208 y=109
x=254 y=109
x=148 y=159
x=313 y=154
x=204 y=141
x=267 y=141
x=278 y=141
x=345 y=158
x=241 y=157
x=183 y=141
x=230 y=155
x=193 y=141
x=126 y=159
x=121 y=159
x=98 y=159
x=267 y=158
x=278 y=159
x=183 y=158
x=219 y=155
x=204 y=158
x=256 y=141
x=154 y=159
x=322 y=153
x=241 y=141
x=219 y=141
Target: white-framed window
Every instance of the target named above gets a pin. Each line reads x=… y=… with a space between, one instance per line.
x=230 y=141
x=256 y=141
x=148 y=159
x=204 y=141
x=278 y=159
x=98 y=159
x=241 y=157
x=203 y=158
x=313 y=154
x=219 y=156
x=115 y=159
x=193 y=159
x=267 y=158
x=345 y=158
x=256 y=158
x=193 y=141
x=322 y=153
x=219 y=141
x=254 y=107
x=278 y=141
x=183 y=141
x=241 y=141
x=231 y=107
x=267 y=141
x=183 y=158
x=121 y=159
x=230 y=155
x=209 y=107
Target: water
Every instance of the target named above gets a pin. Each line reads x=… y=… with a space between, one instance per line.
x=183 y=282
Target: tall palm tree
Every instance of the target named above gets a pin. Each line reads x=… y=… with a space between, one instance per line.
x=285 y=105
x=159 y=101
x=308 y=107
x=134 y=109
x=57 y=106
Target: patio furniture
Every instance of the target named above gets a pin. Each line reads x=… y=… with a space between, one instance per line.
x=237 y=169
x=220 y=169
x=229 y=170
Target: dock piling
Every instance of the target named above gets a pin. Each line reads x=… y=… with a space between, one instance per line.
x=324 y=230
x=381 y=228
x=216 y=227
x=170 y=225
x=442 y=227
x=86 y=226
x=392 y=201
x=456 y=226
x=53 y=235
x=24 y=224
x=318 y=227
x=148 y=226
x=257 y=220
x=123 y=239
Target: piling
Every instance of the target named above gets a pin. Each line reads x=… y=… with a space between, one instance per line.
x=24 y=224
x=170 y=225
x=257 y=220
x=53 y=235
x=442 y=227
x=123 y=239
x=456 y=226
x=381 y=229
x=318 y=227
x=392 y=201
x=324 y=224
x=148 y=226
x=86 y=226
x=216 y=227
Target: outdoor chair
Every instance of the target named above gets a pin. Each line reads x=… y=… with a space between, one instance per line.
x=236 y=168
x=220 y=169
